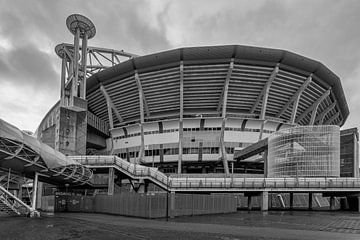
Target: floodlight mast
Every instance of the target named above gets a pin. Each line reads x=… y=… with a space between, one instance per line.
x=81 y=27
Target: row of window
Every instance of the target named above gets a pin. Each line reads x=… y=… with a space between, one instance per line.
x=175 y=151
x=194 y=130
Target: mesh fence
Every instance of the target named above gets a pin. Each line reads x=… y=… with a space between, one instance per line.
x=307 y=151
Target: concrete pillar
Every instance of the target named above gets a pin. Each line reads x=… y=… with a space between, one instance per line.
x=291 y=201
x=310 y=201
x=34 y=194
x=111 y=181
x=264 y=201
x=249 y=203
x=344 y=205
x=171 y=205
x=332 y=203
x=39 y=194
x=20 y=191
x=354 y=203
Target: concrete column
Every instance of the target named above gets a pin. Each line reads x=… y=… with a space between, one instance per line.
x=111 y=181
x=310 y=201
x=83 y=66
x=332 y=203
x=76 y=65
x=34 y=194
x=62 y=83
x=264 y=201
x=249 y=203
x=344 y=205
x=266 y=164
x=20 y=191
x=291 y=201
x=39 y=194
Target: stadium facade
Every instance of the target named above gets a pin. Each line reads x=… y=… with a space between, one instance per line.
x=232 y=118
x=187 y=110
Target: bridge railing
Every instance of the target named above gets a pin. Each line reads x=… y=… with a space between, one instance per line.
x=261 y=183
x=132 y=169
x=215 y=181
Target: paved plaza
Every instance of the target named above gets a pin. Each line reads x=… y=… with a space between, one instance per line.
x=241 y=225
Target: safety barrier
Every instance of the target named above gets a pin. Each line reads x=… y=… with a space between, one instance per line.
x=218 y=182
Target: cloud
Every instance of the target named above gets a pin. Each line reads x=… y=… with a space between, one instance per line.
x=325 y=30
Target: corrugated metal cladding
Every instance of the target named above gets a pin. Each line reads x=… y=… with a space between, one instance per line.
x=205 y=70
x=148 y=206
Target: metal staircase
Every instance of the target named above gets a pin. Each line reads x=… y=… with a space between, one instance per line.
x=219 y=182
x=12 y=205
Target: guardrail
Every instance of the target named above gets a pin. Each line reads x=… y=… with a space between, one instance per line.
x=213 y=181
x=135 y=171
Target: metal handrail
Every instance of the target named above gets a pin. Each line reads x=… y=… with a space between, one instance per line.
x=214 y=181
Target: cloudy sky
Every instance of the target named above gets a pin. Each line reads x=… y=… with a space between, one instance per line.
x=326 y=30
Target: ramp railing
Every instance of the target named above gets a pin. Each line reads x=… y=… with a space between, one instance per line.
x=132 y=170
x=220 y=182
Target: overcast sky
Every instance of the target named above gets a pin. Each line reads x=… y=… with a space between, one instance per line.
x=327 y=31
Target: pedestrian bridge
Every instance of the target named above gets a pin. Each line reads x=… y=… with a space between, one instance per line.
x=221 y=182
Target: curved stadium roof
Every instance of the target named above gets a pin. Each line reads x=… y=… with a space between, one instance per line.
x=205 y=71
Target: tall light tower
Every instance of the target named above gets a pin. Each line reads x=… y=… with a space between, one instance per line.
x=71 y=127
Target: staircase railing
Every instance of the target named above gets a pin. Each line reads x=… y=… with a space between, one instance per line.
x=15 y=204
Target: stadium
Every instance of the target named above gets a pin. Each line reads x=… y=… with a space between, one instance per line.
x=232 y=112
x=187 y=110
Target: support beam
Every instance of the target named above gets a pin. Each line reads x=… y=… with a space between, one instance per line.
x=223 y=115
x=225 y=90
x=320 y=118
x=83 y=66
x=138 y=83
x=62 y=83
x=264 y=201
x=332 y=203
x=314 y=106
x=249 y=203
x=314 y=111
x=111 y=181
x=110 y=105
x=265 y=93
x=310 y=201
x=142 y=118
x=330 y=120
x=295 y=100
x=34 y=193
x=76 y=66
x=181 y=124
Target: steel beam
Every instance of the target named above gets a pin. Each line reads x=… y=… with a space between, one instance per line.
x=225 y=90
x=181 y=124
x=330 y=120
x=223 y=103
x=138 y=82
x=142 y=118
x=321 y=116
x=295 y=100
x=110 y=105
x=265 y=93
x=313 y=107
